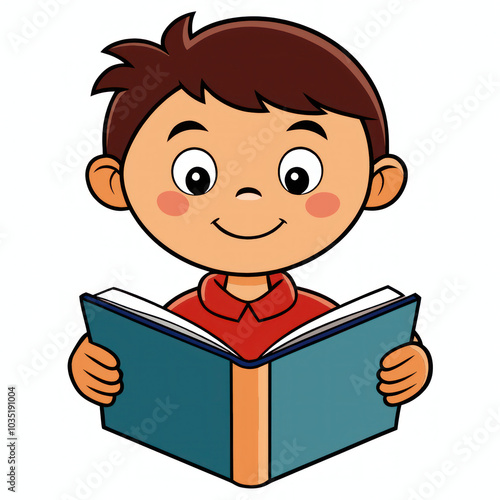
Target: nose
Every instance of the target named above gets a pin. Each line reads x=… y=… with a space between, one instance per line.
x=248 y=193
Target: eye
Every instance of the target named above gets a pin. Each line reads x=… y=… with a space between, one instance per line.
x=194 y=171
x=300 y=171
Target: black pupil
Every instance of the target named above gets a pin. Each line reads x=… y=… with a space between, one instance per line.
x=296 y=180
x=198 y=180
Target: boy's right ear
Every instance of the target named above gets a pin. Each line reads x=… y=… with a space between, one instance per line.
x=104 y=182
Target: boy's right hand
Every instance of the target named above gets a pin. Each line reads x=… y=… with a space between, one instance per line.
x=94 y=372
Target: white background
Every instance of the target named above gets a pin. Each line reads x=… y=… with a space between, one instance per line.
x=429 y=61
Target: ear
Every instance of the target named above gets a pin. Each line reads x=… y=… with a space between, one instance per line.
x=388 y=182
x=104 y=182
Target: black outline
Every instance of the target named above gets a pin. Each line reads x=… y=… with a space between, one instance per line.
x=380 y=170
x=184 y=126
x=89 y=185
x=106 y=382
x=418 y=342
x=401 y=302
x=310 y=125
x=320 y=110
x=230 y=478
x=240 y=237
x=255 y=363
x=99 y=301
x=248 y=190
x=247 y=304
x=72 y=378
x=178 y=296
x=203 y=89
x=320 y=163
x=270 y=480
x=392 y=382
x=173 y=177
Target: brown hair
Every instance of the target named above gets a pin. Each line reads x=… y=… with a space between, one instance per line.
x=244 y=63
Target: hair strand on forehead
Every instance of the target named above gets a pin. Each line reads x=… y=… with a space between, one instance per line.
x=245 y=63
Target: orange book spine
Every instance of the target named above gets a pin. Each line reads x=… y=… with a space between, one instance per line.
x=250 y=392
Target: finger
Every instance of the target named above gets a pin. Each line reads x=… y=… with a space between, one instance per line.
x=95 y=397
x=100 y=372
x=398 y=387
x=100 y=354
x=395 y=399
x=105 y=388
x=398 y=357
x=399 y=373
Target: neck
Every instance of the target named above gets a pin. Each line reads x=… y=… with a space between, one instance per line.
x=247 y=287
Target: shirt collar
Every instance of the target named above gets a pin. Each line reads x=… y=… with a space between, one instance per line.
x=279 y=298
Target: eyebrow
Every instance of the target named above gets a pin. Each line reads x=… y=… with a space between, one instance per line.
x=309 y=125
x=183 y=126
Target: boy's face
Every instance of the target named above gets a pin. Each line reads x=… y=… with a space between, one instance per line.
x=239 y=192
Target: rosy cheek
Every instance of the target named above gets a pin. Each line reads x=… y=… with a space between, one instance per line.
x=322 y=204
x=172 y=203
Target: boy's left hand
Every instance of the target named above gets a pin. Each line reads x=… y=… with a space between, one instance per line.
x=404 y=373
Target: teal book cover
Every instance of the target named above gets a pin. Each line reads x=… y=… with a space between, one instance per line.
x=250 y=422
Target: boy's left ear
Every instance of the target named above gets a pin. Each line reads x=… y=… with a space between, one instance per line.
x=388 y=182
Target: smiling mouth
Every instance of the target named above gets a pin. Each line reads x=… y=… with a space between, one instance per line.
x=225 y=231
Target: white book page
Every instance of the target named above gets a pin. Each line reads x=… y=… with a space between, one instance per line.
x=335 y=316
x=145 y=308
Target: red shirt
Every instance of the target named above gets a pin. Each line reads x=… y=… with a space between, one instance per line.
x=250 y=328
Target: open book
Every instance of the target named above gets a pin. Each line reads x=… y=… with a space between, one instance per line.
x=189 y=395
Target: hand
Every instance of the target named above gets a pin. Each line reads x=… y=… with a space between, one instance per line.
x=405 y=372
x=94 y=372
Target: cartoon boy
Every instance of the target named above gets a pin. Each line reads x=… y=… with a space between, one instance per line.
x=247 y=148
